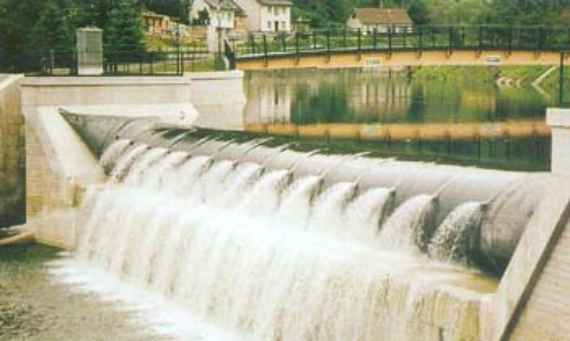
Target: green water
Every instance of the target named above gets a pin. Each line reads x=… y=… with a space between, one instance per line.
x=375 y=97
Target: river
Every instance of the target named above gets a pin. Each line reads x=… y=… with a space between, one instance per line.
x=425 y=118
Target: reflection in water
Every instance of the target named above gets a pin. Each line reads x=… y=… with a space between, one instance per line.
x=312 y=103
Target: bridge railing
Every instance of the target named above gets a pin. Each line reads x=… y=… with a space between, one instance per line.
x=418 y=38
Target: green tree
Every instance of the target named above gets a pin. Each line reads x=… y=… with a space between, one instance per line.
x=17 y=17
x=123 y=28
x=52 y=30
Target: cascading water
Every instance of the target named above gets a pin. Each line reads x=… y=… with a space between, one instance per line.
x=264 y=256
x=454 y=238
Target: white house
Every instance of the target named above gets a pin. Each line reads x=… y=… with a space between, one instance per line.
x=221 y=17
x=380 y=19
x=220 y=14
x=267 y=15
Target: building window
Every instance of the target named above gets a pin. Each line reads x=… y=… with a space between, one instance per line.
x=269 y=25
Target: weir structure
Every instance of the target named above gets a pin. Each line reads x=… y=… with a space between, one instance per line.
x=101 y=176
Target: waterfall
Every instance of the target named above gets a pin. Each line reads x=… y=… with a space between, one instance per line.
x=410 y=227
x=295 y=208
x=454 y=239
x=330 y=206
x=263 y=256
x=111 y=154
x=367 y=212
x=126 y=161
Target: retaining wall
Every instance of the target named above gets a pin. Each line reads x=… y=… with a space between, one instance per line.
x=12 y=156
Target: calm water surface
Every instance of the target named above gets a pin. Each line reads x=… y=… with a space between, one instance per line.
x=371 y=99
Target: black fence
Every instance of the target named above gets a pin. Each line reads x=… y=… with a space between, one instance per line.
x=417 y=38
x=121 y=62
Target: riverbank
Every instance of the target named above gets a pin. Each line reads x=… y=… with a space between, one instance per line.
x=34 y=307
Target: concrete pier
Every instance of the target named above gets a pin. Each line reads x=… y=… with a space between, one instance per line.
x=89 y=51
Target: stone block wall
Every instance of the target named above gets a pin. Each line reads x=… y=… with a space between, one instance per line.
x=12 y=155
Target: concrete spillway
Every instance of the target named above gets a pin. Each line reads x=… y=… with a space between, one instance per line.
x=508 y=199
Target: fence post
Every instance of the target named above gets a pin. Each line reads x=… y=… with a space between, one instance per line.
x=297 y=47
x=390 y=39
x=284 y=43
x=450 y=37
x=141 y=61
x=510 y=39
x=314 y=40
x=252 y=44
x=540 y=39
x=421 y=38
x=359 y=40
x=561 y=81
x=480 y=38
x=375 y=38
x=51 y=61
x=265 y=52
x=329 y=41
x=405 y=35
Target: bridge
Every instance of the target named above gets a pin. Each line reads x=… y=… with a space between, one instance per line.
x=420 y=46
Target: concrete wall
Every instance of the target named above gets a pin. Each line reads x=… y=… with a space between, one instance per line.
x=59 y=165
x=532 y=301
x=12 y=156
x=220 y=99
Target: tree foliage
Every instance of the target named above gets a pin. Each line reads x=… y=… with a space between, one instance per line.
x=53 y=29
x=123 y=28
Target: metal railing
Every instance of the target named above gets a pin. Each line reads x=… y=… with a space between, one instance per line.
x=401 y=38
x=120 y=62
x=563 y=81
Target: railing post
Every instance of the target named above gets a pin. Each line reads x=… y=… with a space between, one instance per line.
x=359 y=40
x=390 y=39
x=183 y=61
x=329 y=41
x=510 y=39
x=51 y=61
x=251 y=44
x=405 y=35
x=561 y=81
x=297 y=47
x=420 y=38
x=480 y=38
x=375 y=38
x=345 y=33
x=450 y=37
x=284 y=43
x=540 y=40
x=314 y=40
x=265 y=52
